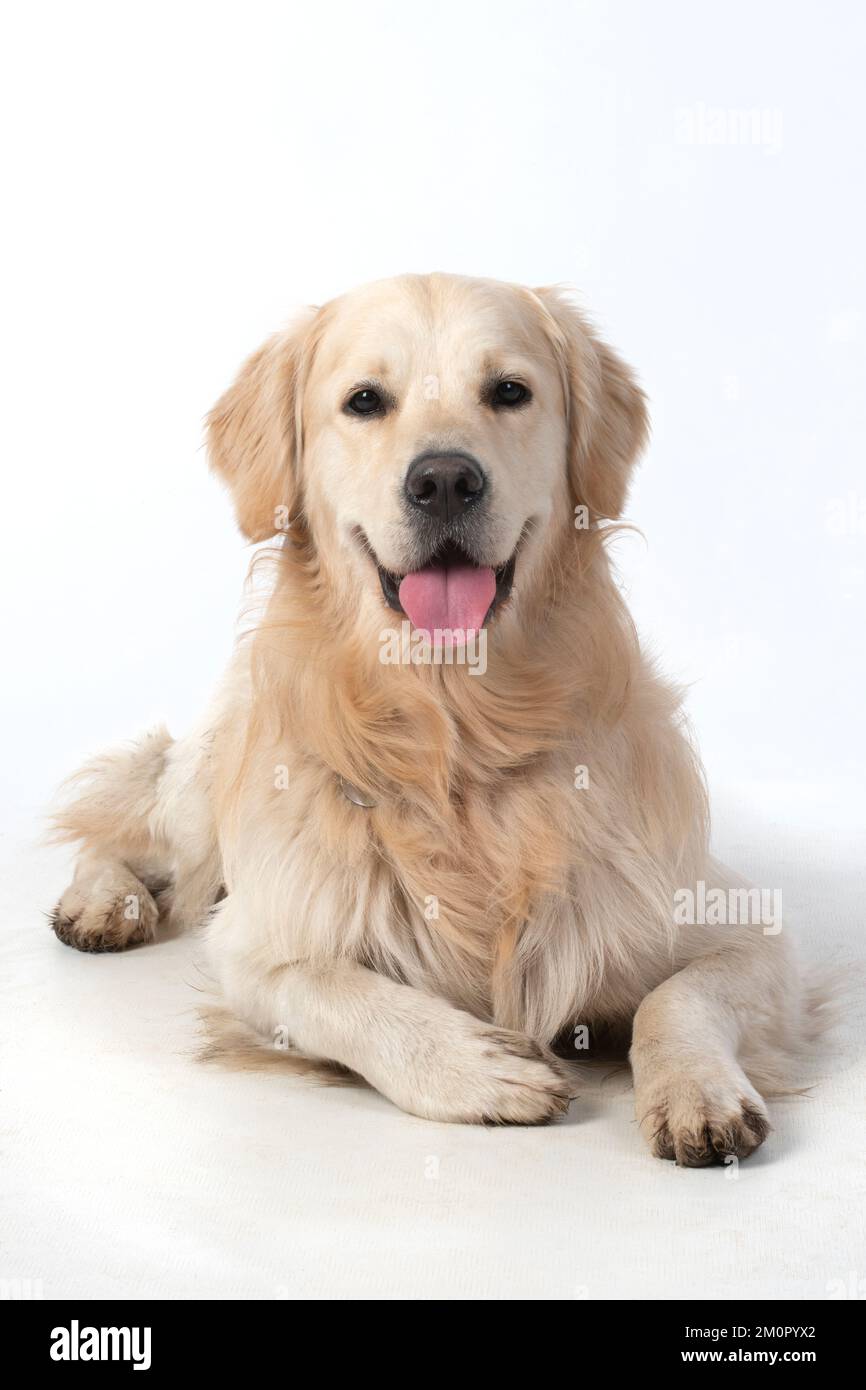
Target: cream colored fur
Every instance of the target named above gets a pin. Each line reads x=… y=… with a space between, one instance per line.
x=441 y=942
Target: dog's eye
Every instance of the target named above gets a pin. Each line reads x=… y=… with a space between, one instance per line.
x=366 y=402
x=510 y=393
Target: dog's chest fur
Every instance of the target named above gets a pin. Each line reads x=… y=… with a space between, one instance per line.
x=483 y=872
x=448 y=897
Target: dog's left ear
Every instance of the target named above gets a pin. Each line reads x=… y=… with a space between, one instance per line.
x=252 y=433
x=608 y=423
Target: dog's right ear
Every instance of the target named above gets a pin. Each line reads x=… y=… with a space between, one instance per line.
x=252 y=433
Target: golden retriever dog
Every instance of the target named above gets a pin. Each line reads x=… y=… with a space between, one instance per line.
x=443 y=816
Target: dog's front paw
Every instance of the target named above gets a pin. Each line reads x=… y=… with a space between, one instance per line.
x=470 y=1073
x=701 y=1118
x=108 y=911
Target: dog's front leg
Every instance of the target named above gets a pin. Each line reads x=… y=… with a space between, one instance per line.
x=426 y=1056
x=732 y=1009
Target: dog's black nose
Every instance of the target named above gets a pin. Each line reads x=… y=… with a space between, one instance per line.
x=444 y=485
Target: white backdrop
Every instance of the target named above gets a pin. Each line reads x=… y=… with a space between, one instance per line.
x=177 y=177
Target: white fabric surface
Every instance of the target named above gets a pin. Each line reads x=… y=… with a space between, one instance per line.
x=132 y=1171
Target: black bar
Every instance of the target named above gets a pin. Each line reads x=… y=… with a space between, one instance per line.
x=227 y=1337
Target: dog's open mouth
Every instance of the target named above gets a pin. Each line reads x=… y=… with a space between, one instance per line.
x=450 y=594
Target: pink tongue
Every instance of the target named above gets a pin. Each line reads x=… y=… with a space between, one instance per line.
x=448 y=597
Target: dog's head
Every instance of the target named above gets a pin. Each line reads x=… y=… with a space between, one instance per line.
x=434 y=435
